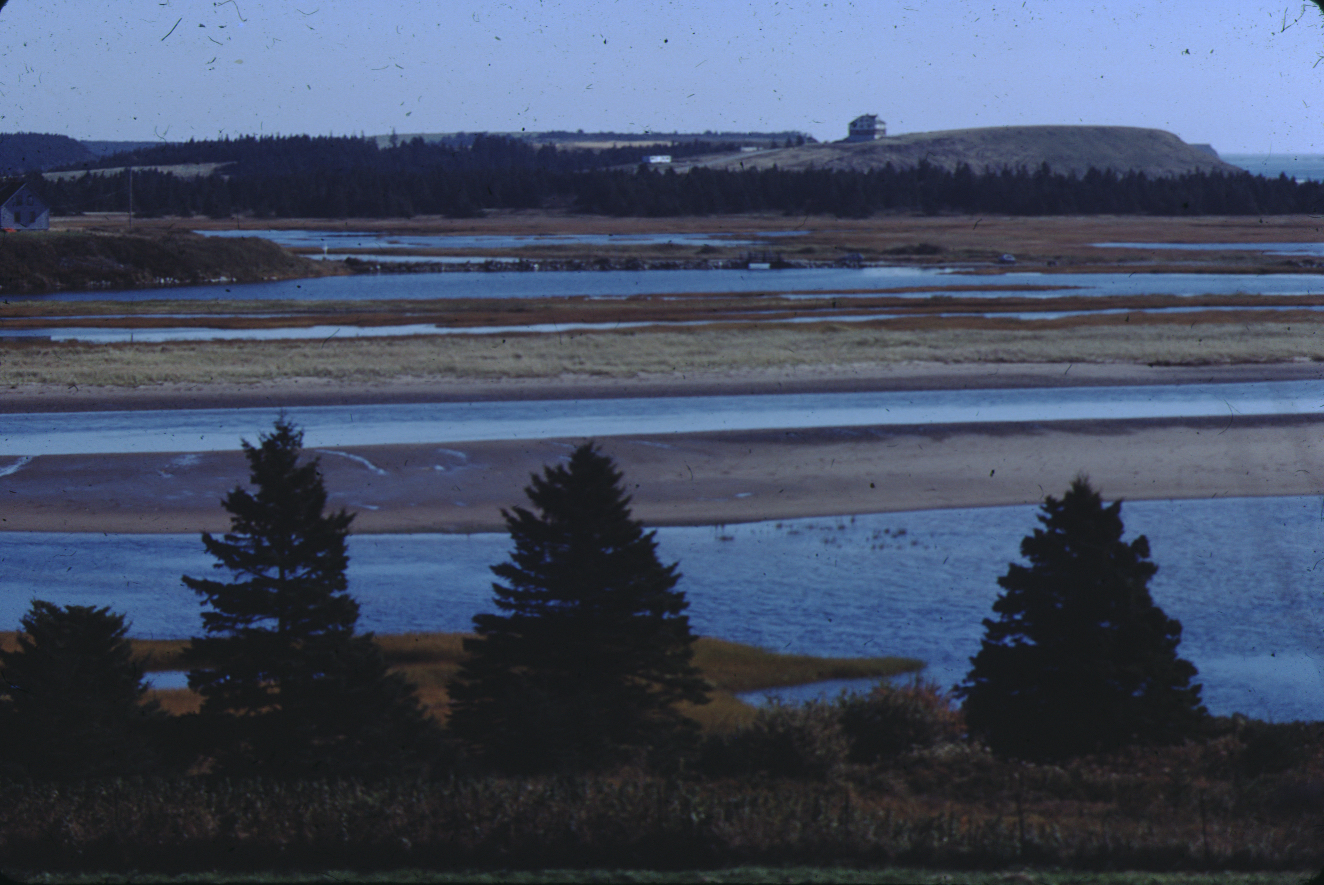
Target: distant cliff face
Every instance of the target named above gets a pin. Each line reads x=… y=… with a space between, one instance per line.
x=1065 y=149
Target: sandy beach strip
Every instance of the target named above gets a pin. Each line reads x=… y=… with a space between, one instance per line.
x=698 y=479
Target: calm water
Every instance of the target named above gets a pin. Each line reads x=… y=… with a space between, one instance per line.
x=808 y=282
x=1305 y=249
x=93 y=335
x=210 y=430
x=1302 y=167
x=1244 y=576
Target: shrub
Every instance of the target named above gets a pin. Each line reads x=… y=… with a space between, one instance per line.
x=784 y=740
x=892 y=720
x=1269 y=748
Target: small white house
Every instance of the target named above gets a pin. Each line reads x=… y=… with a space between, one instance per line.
x=865 y=127
x=657 y=158
x=22 y=209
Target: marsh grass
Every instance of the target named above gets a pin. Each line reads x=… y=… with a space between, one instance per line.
x=431 y=660
x=1188 y=339
x=736 y=667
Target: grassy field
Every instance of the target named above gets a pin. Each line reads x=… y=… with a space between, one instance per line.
x=1190 y=339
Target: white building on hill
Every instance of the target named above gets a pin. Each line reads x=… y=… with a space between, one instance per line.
x=865 y=127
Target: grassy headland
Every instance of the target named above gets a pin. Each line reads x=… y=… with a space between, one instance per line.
x=37 y=262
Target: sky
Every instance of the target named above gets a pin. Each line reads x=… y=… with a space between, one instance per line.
x=1241 y=75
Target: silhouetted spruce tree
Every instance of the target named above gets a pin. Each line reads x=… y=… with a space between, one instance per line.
x=591 y=653
x=288 y=687
x=1080 y=659
x=74 y=703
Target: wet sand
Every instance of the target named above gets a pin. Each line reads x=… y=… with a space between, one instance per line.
x=703 y=478
x=699 y=478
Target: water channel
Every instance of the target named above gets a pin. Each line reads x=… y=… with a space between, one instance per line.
x=1242 y=575
x=353 y=241
x=202 y=332
x=208 y=430
x=837 y=282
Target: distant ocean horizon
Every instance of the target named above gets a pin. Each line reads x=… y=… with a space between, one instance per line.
x=1302 y=167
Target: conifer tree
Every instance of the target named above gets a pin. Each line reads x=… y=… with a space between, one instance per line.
x=74 y=703
x=591 y=652
x=289 y=686
x=1080 y=659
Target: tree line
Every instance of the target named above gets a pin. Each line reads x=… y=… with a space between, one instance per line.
x=303 y=176
x=586 y=664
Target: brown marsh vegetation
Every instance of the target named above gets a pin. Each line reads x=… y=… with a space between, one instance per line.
x=431 y=660
x=1212 y=338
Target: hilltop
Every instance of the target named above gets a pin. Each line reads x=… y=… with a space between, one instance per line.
x=22 y=151
x=34 y=263
x=1066 y=149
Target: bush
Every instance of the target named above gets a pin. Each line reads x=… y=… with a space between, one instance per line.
x=892 y=720
x=784 y=740
x=1270 y=748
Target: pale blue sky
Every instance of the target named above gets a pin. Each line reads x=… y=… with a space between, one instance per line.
x=1222 y=72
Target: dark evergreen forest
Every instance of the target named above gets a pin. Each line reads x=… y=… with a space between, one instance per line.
x=342 y=177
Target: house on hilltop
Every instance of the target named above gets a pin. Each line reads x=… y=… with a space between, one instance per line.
x=865 y=128
x=22 y=209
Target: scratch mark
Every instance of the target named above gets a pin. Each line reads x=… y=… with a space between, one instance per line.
x=236 y=8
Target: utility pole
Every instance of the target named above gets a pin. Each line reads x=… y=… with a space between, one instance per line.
x=130 y=168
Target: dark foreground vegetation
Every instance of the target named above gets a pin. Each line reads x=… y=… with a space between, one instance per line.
x=332 y=177
x=1081 y=741
x=1209 y=805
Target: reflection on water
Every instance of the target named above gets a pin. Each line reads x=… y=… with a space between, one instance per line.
x=1239 y=574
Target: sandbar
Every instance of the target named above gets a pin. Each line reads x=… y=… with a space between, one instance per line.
x=701 y=479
